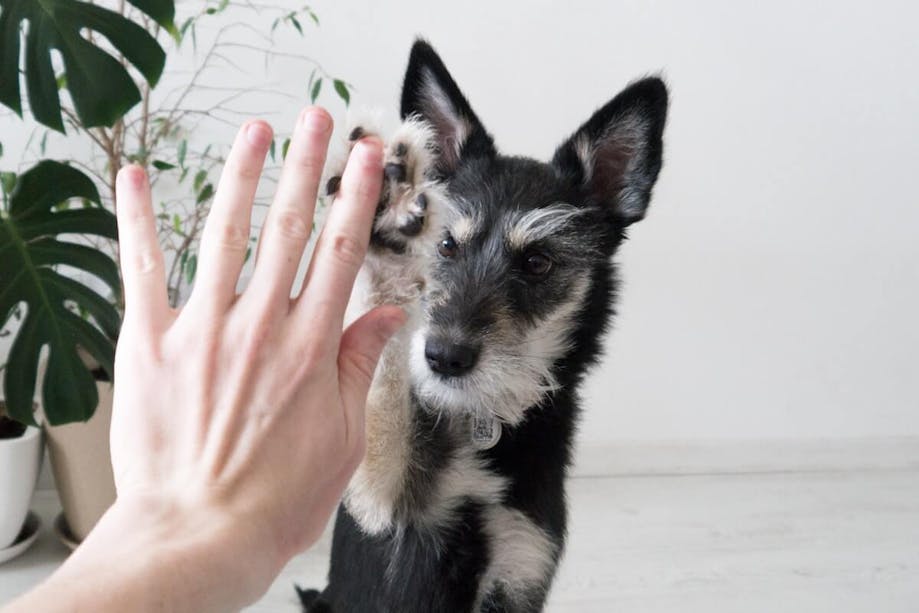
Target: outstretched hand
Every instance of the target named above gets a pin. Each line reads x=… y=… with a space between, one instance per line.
x=238 y=419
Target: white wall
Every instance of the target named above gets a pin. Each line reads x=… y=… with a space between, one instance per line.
x=772 y=292
x=773 y=289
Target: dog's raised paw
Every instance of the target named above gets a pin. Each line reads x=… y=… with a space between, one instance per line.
x=410 y=196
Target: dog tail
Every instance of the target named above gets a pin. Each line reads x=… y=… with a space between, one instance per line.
x=312 y=601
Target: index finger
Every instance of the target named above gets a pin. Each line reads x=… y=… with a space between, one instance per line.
x=142 y=266
x=342 y=245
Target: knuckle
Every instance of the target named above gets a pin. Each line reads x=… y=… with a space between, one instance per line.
x=347 y=250
x=292 y=225
x=231 y=237
x=148 y=261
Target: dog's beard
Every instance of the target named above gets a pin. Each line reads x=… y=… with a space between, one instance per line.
x=513 y=373
x=503 y=385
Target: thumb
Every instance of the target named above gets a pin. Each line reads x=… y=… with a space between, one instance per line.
x=361 y=346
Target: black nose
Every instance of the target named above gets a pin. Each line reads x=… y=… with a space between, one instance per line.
x=450 y=359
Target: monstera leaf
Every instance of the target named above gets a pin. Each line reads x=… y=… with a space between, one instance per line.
x=100 y=86
x=29 y=253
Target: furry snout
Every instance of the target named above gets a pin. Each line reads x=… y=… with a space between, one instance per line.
x=450 y=359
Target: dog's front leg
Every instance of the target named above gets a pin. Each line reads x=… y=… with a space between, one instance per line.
x=404 y=238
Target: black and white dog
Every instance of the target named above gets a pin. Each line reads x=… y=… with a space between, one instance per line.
x=504 y=265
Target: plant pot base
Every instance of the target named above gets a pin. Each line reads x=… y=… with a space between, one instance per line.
x=27 y=536
x=63 y=533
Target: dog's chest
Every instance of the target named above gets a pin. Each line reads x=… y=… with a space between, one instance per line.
x=419 y=469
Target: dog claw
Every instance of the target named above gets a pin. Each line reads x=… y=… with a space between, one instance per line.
x=331 y=187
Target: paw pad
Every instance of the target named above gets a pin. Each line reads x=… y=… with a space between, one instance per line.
x=395 y=171
x=408 y=193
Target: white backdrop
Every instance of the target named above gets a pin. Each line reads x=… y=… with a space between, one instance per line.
x=772 y=293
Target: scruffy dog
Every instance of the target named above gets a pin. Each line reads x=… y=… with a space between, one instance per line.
x=504 y=265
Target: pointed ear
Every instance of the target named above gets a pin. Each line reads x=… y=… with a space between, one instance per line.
x=615 y=157
x=431 y=93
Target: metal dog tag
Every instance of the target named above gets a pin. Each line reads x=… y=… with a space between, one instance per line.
x=486 y=430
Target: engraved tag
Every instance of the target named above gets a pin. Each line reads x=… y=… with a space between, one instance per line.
x=486 y=430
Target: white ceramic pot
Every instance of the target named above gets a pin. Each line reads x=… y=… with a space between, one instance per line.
x=20 y=462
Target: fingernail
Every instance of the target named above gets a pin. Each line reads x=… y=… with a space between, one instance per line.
x=259 y=135
x=315 y=120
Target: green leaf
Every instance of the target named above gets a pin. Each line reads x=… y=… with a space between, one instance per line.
x=313 y=16
x=30 y=253
x=314 y=93
x=161 y=165
x=200 y=178
x=101 y=87
x=1 y=149
x=181 y=152
x=284 y=148
x=162 y=11
x=176 y=223
x=270 y=149
x=342 y=90
x=184 y=29
x=7 y=181
x=219 y=8
x=191 y=266
x=205 y=194
x=297 y=25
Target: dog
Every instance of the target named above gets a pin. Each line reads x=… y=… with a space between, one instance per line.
x=504 y=265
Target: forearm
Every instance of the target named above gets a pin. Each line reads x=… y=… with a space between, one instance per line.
x=142 y=560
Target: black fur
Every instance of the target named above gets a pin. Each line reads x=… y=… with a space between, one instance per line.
x=413 y=568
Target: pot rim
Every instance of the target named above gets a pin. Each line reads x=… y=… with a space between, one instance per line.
x=27 y=436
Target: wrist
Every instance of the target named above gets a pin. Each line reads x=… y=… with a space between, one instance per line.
x=151 y=554
x=203 y=552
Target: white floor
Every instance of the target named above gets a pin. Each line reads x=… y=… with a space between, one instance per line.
x=839 y=542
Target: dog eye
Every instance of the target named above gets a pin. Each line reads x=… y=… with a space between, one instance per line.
x=536 y=264
x=447 y=247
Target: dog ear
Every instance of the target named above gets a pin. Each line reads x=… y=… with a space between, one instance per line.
x=616 y=156
x=431 y=93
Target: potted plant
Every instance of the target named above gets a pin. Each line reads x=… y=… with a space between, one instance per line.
x=62 y=292
x=50 y=309
x=20 y=457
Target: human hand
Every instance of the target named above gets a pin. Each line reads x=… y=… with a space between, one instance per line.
x=238 y=420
